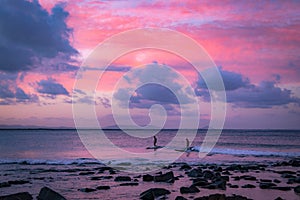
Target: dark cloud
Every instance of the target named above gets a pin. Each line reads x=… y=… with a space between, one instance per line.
x=264 y=95
x=10 y=93
x=154 y=79
x=241 y=93
x=51 y=87
x=28 y=33
x=155 y=93
x=231 y=80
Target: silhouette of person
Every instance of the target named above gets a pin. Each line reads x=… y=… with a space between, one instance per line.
x=187 y=144
x=154 y=141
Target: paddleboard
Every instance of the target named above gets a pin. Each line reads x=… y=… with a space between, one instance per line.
x=155 y=147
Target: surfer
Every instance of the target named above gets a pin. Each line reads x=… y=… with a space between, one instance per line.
x=187 y=144
x=154 y=141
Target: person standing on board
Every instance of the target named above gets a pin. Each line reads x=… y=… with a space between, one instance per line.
x=154 y=141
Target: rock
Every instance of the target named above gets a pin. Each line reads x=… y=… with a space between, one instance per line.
x=195 y=173
x=279 y=198
x=222 y=197
x=167 y=177
x=180 y=198
x=297 y=189
x=154 y=193
x=185 y=167
x=122 y=178
x=18 y=182
x=4 y=184
x=129 y=184
x=17 y=196
x=103 y=187
x=295 y=162
x=266 y=185
x=220 y=184
x=282 y=188
x=248 y=178
x=112 y=171
x=96 y=178
x=288 y=176
x=148 y=178
x=234 y=186
x=200 y=182
x=227 y=173
x=191 y=189
x=208 y=174
x=87 y=190
x=86 y=173
x=49 y=194
x=213 y=197
x=285 y=172
x=248 y=186
x=276 y=181
x=219 y=169
x=266 y=180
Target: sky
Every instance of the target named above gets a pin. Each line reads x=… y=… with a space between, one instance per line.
x=255 y=46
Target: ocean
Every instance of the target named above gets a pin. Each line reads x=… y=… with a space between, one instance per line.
x=58 y=159
x=66 y=147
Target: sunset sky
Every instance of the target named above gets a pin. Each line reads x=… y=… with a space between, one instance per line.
x=254 y=44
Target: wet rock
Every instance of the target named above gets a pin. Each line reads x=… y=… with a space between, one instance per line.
x=96 y=178
x=185 y=167
x=266 y=180
x=297 y=189
x=103 y=187
x=266 y=185
x=18 y=182
x=129 y=184
x=227 y=173
x=167 y=177
x=208 y=174
x=191 y=189
x=288 y=176
x=17 y=196
x=112 y=171
x=200 y=182
x=248 y=186
x=180 y=198
x=86 y=173
x=276 y=181
x=279 y=198
x=4 y=184
x=87 y=190
x=285 y=172
x=195 y=173
x=281 y=188
x=222 y=197
x=295 y=162
x=154 y=193
x=220 y=184
x=234 y=186
x=148 y=178
x=248 y=178
x=219 y=169
x=49 y=194
x=122 y=178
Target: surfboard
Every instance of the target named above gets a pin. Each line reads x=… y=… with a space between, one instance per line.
x=190 y=149
x=155 y=147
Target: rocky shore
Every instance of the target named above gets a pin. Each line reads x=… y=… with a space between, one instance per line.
x=177 y=181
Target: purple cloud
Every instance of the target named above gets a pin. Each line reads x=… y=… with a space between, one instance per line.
x=29 y=33
x=241 y=93
x=51 y=87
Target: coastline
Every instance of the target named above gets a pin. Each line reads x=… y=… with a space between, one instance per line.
x=96 y=181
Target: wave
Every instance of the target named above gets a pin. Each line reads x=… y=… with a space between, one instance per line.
x=239 y=152
x=79 y=161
